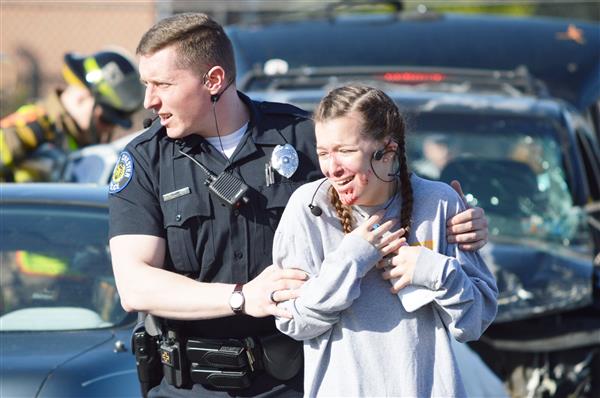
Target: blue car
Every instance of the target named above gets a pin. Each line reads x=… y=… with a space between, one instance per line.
x=63 y=332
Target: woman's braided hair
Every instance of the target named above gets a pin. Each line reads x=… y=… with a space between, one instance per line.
x=344 y=213
x=382 y=119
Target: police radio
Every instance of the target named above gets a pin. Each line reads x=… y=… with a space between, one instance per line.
x=229 y=189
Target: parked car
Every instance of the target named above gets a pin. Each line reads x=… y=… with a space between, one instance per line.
x=62 y=329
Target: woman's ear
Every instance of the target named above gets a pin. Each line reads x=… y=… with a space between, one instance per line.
x=390 y=151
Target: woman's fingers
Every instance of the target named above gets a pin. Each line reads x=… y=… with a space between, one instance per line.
x=392 y=247
x=401 y=283
x=374 y=221
x=392 y=236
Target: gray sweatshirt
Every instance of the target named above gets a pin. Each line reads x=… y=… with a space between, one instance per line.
x=361 y=340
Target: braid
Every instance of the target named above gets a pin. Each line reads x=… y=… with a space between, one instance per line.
x=406 y=191
x=343 y=212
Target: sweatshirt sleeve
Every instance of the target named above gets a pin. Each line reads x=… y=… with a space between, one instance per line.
x=464 y=291
x=334 y=281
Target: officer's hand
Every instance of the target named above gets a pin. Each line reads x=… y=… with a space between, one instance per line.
x=469 y=228
x=273 y=283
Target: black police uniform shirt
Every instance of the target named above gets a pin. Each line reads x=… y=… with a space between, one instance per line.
x=206 y=240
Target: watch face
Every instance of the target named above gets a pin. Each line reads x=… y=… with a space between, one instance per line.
x=236 y=301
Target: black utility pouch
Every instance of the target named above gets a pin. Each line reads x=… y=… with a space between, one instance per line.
x=173 y=363
x=282 y=356
x=223 y=364
x=217 y=354
x=222 y=379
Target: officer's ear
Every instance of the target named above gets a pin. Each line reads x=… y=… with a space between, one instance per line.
x=214 y=79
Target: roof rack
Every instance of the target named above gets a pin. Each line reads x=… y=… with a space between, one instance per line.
x=515 y=82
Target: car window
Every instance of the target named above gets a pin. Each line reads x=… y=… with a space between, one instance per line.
x=55 y=269
x=512 y=167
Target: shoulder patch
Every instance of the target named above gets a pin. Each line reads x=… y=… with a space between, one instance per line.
x=122 y=173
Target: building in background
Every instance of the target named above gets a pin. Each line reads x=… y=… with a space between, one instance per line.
x=35 y=34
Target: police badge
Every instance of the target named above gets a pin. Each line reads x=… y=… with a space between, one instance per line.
x=284 y=159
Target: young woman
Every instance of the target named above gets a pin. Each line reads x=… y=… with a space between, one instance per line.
x=360 y=340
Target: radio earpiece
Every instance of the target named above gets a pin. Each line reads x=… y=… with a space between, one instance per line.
x=378 y=154
x=215 y=97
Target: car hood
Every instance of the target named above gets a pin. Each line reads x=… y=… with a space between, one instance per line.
x=535 y=279
x=30 y=359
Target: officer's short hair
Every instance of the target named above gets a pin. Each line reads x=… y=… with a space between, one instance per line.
x=201 y=42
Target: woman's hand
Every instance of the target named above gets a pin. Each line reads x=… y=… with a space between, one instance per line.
x=379 y=235
x=400 y=266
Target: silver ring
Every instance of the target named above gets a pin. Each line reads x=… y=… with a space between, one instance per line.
x=389 y=262
x=273 y=298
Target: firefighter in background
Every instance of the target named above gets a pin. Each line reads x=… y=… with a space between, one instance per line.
x=103 y=90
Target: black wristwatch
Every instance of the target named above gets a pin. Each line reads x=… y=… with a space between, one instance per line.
x=237 y=300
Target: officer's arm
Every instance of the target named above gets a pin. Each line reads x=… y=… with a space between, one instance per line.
x=144 y=286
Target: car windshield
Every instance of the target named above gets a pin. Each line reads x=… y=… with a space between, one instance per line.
x=55 y=269
x=512 y=167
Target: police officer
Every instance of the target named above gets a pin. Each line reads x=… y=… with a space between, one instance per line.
x=194 y=202
x=103 y=90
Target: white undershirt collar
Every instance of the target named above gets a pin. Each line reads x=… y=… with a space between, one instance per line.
x=229 y=141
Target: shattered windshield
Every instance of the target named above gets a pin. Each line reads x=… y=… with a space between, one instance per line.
x=55 y=269
x=511 y=167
